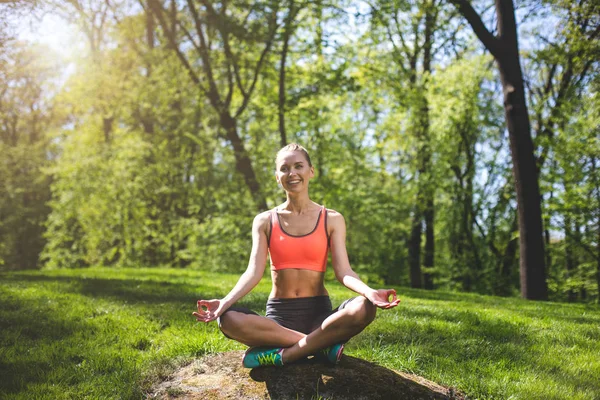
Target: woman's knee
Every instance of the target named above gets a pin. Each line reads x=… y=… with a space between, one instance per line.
x=231 y=322
x=362 y=311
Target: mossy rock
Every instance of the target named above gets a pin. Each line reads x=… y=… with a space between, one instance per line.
x=221 y=376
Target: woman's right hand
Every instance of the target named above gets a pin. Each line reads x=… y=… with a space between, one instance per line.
x=209 y=310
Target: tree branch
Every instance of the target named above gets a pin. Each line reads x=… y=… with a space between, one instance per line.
x=490 y=41
x=398 y=53
x=399 y=32
x=157 y=10
x=213 y=92
x=581 y=244
x=231 y=58
x=450 y=39
x=273 y=29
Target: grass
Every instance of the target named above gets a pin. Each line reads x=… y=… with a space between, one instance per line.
x=110 y=333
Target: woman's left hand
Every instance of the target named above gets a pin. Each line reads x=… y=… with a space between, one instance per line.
x=383 y=298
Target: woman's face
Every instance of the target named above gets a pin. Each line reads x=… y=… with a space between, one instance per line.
x=293 y=171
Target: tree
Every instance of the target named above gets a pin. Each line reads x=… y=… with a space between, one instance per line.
x=504 y=47
x=417 y=32
x=229 y=76
x=288 y=30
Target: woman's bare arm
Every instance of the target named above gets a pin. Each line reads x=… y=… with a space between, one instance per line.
x=257 y=262
x=209 y=310
x=343 y=271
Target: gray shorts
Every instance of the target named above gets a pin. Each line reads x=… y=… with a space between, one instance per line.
x=303 y=314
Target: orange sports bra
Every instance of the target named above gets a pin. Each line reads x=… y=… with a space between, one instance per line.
x=301 y=252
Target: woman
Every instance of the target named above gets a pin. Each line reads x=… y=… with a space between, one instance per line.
x=299 y=321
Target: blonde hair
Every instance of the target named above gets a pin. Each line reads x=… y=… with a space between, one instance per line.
x=294 y=147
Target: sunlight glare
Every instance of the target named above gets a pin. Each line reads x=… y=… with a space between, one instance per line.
x=51 y=31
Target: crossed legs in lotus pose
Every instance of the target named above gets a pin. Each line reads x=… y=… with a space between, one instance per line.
x=255 y=330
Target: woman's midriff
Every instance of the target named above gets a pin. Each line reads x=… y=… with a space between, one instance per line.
x=292 y=283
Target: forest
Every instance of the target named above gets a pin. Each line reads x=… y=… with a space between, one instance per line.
x=460 y=139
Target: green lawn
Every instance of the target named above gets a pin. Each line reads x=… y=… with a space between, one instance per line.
x=109 y=333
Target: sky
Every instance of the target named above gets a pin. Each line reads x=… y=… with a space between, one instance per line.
x=60 y=37
x=48 y=30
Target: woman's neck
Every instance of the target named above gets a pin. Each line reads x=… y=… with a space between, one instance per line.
x=298 y=204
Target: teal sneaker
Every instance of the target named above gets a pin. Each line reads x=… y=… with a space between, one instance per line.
x=333 y=354
x=262 y=357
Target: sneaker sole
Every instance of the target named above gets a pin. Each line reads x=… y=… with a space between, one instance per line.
x=244 y=356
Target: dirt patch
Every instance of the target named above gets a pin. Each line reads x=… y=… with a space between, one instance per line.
x=221 y=376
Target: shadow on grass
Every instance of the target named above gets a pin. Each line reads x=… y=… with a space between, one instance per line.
x=23 y=325
x=131 y=291
x=16 y=375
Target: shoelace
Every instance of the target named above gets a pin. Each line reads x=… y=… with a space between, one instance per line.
x=266 y=359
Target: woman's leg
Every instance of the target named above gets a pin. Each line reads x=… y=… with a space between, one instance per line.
x=255 y=330
x=336 y=328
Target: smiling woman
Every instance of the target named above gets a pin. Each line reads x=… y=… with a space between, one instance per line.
x=293 y=167
x=300 y=321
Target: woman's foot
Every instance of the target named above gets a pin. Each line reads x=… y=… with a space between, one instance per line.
x=263 y=356
x=332 y=354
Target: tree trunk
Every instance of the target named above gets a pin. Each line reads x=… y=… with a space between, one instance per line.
x=569 y=257
x=532 y=268
x=533 y=274
x=281 y=105
x=429 y=211
x=242 y=160
x=577 y=238
x=146 y=115
x=287 y=33
x=429 y=244
x=594 y=174
x=149 y=37
x=107 y=123
x=598 y=261
x=547 y=234
x=173 y=17
x=508 y=261
x=424 y=209
x=505 y=49
x=414 y=250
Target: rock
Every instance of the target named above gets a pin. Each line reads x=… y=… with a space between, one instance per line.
x=221 y=376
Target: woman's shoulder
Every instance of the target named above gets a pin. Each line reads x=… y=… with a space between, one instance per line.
x=262 y=219
x=265 y=215
x=334 y=216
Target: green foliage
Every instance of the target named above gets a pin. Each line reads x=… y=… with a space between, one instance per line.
x=25 y=114
x=576 y=163
x=464 y=126
x=565 y=113
x=130 y=162
x=22 y=205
